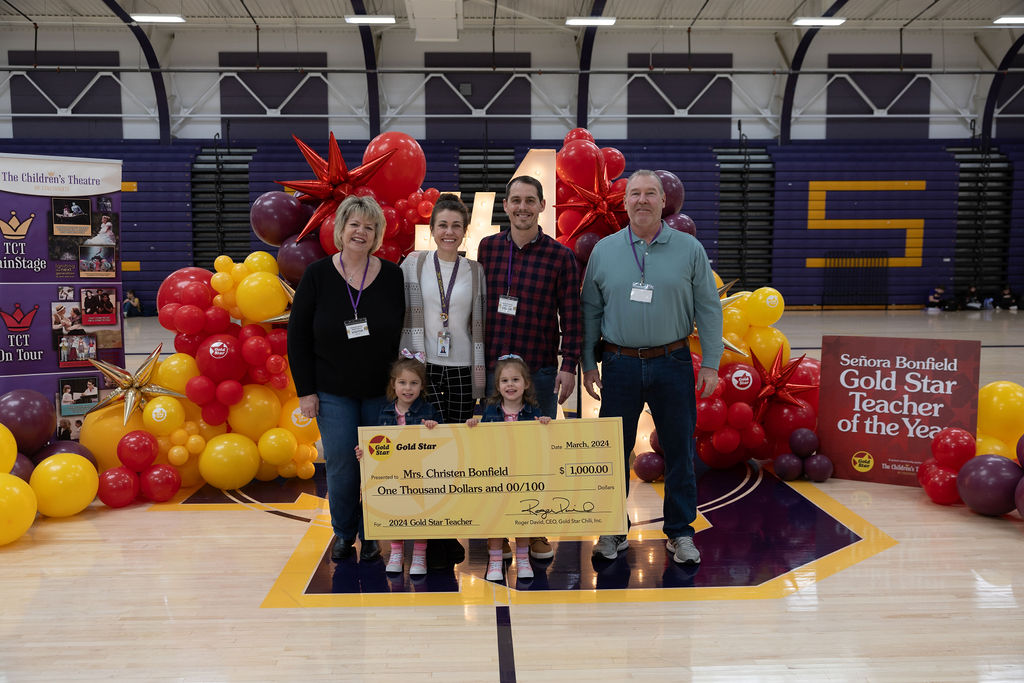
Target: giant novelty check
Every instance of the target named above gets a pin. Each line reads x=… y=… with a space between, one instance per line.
x=565 y=478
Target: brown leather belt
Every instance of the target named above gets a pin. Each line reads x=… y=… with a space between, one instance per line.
x=647 y=351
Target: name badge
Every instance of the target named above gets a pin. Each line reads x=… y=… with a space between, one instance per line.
x=641 y=292
x=507 y=305
x=444 y=344
x=357 y=327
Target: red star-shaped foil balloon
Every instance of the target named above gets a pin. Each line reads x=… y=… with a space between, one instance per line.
x=775 y=383
x=333 y=181
x=596 y=203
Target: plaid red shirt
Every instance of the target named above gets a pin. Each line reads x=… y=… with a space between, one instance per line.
x=547 y=284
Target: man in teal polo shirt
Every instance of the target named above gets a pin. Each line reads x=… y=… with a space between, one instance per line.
x=644 y=288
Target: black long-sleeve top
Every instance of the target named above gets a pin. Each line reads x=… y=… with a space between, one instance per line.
x=321 y=355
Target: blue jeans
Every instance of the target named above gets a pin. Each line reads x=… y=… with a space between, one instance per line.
x=666 y=385
x=543 y=388
x=338 y=419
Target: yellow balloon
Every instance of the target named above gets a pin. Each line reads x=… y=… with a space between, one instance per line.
x=288 y=470
x=64 y=484
x=223 y=263
x=735 y=321
x=18 y=507
x=239 y=272
x=764 y=307
x=1001 y=411
x=266 y=472
x=228 y=300
x=179 y=436
x=695 y=345
x=304 y=453
x=191 y=427
x=258 y=411
x=222 y=282
x=989 y=445
x=208 y=431
x=177 y=455
x=190 y=473
x=741 y=302
x=304 y=428
x=101 y=431
x=306 y=470
x=261 y=296
x=229 y=461
x=730 y=357
x=195 y=444
x=765 y=343
x=718 y=280
x=261 y=262
x=277 y=445
x=8 y=451
x=162 y=415
x=175 y=371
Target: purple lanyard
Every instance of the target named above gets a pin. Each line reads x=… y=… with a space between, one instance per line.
x=446 y=299
x=641 y=265
x=348 y=288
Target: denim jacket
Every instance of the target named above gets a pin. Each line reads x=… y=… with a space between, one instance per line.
x=494 y=413
x=419 y=411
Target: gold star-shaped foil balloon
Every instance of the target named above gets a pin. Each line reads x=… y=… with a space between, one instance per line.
x=726 y=302
x=289 y=291
x=134 y=389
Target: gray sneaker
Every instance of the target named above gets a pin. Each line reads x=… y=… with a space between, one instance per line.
x=683 y=549
x=608 y=547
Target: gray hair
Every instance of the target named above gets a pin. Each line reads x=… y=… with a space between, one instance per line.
x=649 y=174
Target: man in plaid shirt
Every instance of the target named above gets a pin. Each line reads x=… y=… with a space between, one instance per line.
x=532 y=286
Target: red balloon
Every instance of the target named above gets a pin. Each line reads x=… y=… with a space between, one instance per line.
x=276 y=216
x=159 y=483
x=259 y=375
x=171 y=288
x=726 y=439
x=952 y=447
x=580 y=162
x=425 y=207
x=390 y=221
x=119 y=486
x=187 y=343
x=412 y=216
x=924 y=470
x=200 y=390
x=714 y=458
x=740 y=414
x=577 y=134
x=249 y=331
x=941 y=486
x=278 y=341
x=614 y=162
x=711 y=414
x=389 y=252
x=220 y=358
x=808 y=372
x=217 y=320
x=279 y=381
x=403 y=172
x=431 y=194
x=740 y=382
x=415 y=198
x=326 y=237
x=782 y=418
x=165 y=316
x=196 y=294
x=255 y=350
x=564 y=192
x=682 y=223
x=229 y=392
x=401 y=205
x=189 y=319
x=276 y=364
x=752 y=436
x=137 y=450
x=365 y=191
x=568 y=220
x=215 y=413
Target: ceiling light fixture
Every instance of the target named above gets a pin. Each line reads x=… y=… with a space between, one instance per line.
x=370 y=18
x=158 y=18
x=1009 y=20
x=590 y=21
x=818 y=21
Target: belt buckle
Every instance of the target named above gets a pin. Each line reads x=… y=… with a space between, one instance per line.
x=640 y=352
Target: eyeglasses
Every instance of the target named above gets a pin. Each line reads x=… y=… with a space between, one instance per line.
x=508 y=356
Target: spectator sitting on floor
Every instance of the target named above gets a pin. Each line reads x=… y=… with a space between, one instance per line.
x=131 y=306
x=1006 y=300
x=939 y=300
x=972 y=299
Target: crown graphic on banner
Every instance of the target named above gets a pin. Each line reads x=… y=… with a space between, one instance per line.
x=18 y=321
x=15 y=229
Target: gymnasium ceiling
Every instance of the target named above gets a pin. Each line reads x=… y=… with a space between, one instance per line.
x=430 y=17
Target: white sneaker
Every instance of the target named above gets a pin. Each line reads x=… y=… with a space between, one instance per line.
x=395 y=562
x=524 y=569
x=495 y=570
x=683 y=549
x=418 y=567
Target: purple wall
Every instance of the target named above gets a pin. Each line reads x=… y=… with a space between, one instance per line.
x=514 y=99
x=680 y=88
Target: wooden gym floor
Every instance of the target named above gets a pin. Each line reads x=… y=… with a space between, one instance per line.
x=833 y=581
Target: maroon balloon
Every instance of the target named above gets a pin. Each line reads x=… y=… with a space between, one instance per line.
x=818 y=467
x=63 y=447
x=649 y=466
x=656 y=443
x=1020 y=449
x=987 y=483
x=293 y=257
x=159 y=483
x=23 y=466
x=30 y=416
x=1018 y=496
x=275 y=216
x=674 y=192
x=788 y=466
x=682 y=223
x=119 y=486
x=584 y=246
x=803 y=442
